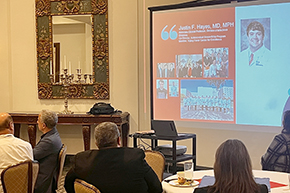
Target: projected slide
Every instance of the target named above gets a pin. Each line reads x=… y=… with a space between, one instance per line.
x=228 y=65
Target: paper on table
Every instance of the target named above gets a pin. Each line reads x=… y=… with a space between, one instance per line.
x=209 y=180
x=206 y=181
x=265 y=181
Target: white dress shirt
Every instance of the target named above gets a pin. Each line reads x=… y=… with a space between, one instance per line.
x=12 y=151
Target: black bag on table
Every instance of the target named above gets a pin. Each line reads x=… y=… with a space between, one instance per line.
x=101 y=108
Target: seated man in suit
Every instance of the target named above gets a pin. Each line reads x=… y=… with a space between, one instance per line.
x=13 y=150
x=46 y=152
x=112 y=168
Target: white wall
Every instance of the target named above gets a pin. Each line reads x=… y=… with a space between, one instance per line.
x=5 y=78
x=19 y=66
x=129 y=77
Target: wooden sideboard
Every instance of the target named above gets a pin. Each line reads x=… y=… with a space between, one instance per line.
x=84 y=120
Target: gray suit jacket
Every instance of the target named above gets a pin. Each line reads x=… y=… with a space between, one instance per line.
x=46 y=153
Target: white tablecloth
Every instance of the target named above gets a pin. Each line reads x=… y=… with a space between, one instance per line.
x=278 y=177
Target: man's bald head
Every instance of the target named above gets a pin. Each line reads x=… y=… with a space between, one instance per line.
x=5 y=121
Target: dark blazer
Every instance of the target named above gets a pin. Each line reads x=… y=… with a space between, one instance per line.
x=263 y=189
x=112 y=170
x=46 y=153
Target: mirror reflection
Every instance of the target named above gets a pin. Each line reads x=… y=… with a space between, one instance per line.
x=72 y=47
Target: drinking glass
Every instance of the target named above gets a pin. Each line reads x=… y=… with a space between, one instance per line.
x=188 y=170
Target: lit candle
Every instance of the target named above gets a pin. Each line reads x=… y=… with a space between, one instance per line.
x=69 y=67
x=79 y=65
x=50 y=66
x=92 y=70
x=64 y=61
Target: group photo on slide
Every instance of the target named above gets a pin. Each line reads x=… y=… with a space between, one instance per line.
x=207 y=100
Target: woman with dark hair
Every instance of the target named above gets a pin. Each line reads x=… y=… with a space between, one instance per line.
x=233 y=171
x=277 y=157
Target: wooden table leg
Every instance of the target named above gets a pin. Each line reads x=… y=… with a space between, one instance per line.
x=32 y=135
x=17 y=130
x=87 y=136
x=124 y=134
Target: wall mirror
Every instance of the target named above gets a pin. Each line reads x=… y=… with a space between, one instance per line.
x=72 y=46
x=72 y=49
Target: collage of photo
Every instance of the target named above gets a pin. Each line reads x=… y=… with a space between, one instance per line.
x=201 y=83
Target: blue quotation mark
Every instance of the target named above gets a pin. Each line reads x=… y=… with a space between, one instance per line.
x=172 y=34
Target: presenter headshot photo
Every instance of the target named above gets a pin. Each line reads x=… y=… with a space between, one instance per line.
x=254 y=65
x=257 y=53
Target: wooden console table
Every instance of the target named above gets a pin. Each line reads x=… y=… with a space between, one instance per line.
x=121 y=119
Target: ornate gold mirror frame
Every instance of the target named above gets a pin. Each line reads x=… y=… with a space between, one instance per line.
x=98 y=88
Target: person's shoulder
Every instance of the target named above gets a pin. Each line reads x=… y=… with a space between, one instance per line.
x=21 y=141
x=23 y=145
x=85 y=157
x=283 y=137
x=132 y=149
x=265 y=49
x=53 y=133
x=86 y=154
x=50 y=141
x=245 y=51
x=133 y=152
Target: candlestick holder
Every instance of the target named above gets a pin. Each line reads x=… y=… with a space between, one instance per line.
x=79 y=78
x=91 y=78
x=51 y=76
x=66 y=81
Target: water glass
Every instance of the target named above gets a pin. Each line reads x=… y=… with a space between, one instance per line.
x=188 y=170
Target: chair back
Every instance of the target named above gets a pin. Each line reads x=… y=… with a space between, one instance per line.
x=61 y=159
x=83 y=187
x=20 y=178
x=156 y=160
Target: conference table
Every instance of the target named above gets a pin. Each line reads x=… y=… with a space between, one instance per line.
x=278 y=181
